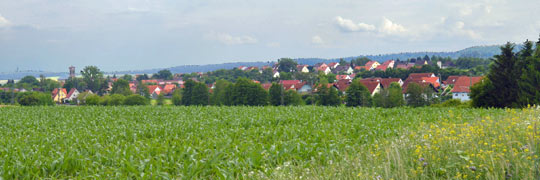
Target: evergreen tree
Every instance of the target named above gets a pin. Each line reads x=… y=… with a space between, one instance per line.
x=276 y=94
x=482 y=94
x=357 y=95
x=189 y=85
x=529 y=82
x=503 y=76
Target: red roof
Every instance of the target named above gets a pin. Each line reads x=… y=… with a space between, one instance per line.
x=332 y=64
x=464 y=82
x=289 y=82
x=369 y=64
x=150 y=81
x=371 y=85
x=343 y=84
x=152 y=88
x=451 y=80
x=432 y=80
x=266 y=86
x=169 y=88
x=387 y=81
x=71 y=92
x=56 y=91
x=420 y=75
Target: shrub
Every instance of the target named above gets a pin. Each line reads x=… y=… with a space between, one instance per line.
x=135 y=100
x=92 y=100
x=116 y=100
x=35 y=99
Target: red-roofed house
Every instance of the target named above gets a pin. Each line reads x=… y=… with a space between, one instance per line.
x=360 y=68
x=462 y=86
x=333 y=65
x=266 y=86
x=150 y=81
x=386 y=65
x=387 y=81
x=59 y=94
x=168 y=89
x=343 y=84
x=302 y=68
x=133 y=87
x=374 y=87
x=433 y=80
x=370 y=65
x=450 y=80
x=154 y=91
x=72 y=95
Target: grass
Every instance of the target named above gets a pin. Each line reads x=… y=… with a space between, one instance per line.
x=169 y=142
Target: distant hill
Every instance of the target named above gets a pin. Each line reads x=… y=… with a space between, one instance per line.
x=476 y=51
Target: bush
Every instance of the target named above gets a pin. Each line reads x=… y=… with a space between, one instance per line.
x=453 y=103
x=35 y=99
x=135 y=100
x=92 y=100
x=116 y=100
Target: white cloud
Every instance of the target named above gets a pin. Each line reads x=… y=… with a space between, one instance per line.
x=4 y=21
x=232 y=40
x=390 y=27
x=317 y=40
x=488 y=9
x=459 y=29
x=349 y=25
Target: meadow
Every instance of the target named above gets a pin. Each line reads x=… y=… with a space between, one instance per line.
x=308 y=142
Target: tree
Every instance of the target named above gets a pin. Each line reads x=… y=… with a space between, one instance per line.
x=135 y=100
x=218 y=95
x=189 y=85
x=481 y=94
x=93 y=77
x=177 y=97
x=415 y=97
x=247 y=93
x=163 y=74
x=503 y=76
x=276 y=94
x=31 y=80
x=143 y=90
x=292 y=98
x=127 y=77
x=116 y=100
x=395 y=96
x=92 y=100
x=286 y=65
x=121 y=86
x=529 y=82
x=327 y=96
x=35 y=99
x=357 y=95
x=160 y=100
x=76 y=83
x=142 y=77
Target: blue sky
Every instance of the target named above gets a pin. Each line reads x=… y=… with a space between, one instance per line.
x=140 y=34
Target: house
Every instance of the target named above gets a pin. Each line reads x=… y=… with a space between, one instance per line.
x=451 y=80
x=386 y=65
x=150 y=81
x=303 y=87
x=133 y=87
x=347 y=69
x=343 y=84
x=72 y=95
x=266 y=86
x=360 y=68
x=370 y=65
x=168 y=89
x=333 y=65
x=243 y=68
x=385 y=82
x=289 y=84
x=405 y=66
x=462 y=86
x=59 y=94
x=324 y=69
x=374 y=87
x=302 y=68
x=154 y=91
x=340 y=77
x=422 y=78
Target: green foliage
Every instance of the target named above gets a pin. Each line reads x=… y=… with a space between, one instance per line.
x=177 y=97
x=35 y=99
x=291 y=98
x=127 y=77
x=218 y=95
x=31 y=80
x=327 y=96
x=233 y=142
x=136 y=100
x=76 y=83
x=286 y=65
x=529 y=82
x=357 y=95
x=93 y=77
x=121 y=86
x=415 y=95
x=276 y=94
x=116 y=100
x=163 y=74
x=142 y=90
x=160 y=99
x=247 y=93
x=195 y=93
x=92 y=100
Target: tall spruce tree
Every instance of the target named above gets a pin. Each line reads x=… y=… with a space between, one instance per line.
x=189 y=85
x=503 y=76
x=529 y=82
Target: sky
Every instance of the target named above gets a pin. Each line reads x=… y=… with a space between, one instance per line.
x=115 y=35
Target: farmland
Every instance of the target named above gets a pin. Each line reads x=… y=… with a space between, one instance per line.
x=266 y=142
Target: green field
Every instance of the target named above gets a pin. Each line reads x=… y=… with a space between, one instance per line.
x=266 y=143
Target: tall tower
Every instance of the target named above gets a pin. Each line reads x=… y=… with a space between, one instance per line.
x=71 y=71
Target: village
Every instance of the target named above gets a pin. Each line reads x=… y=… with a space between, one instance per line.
x=454 y=86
